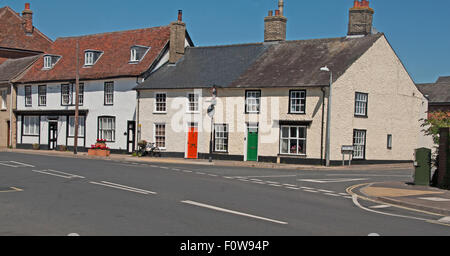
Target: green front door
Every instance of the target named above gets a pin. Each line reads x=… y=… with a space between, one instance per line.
x=252 y=144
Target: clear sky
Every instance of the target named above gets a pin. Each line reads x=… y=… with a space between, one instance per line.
x=418 y=30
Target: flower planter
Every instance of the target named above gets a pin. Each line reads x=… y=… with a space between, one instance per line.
x=99 y=152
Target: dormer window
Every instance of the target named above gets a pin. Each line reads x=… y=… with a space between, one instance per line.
x=50 y=61
x=91 y=57
x=138 y=53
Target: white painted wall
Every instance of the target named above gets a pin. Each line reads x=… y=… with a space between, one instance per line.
x=123 y=110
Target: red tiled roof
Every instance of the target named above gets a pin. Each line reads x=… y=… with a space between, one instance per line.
x=113 y=63
x=12 y=33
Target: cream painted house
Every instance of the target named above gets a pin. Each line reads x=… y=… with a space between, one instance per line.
x=272 y=99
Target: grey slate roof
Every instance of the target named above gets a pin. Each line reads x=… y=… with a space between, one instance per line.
x=283 y=64
x=203 y=67
x=438 y=92
x=12 y=68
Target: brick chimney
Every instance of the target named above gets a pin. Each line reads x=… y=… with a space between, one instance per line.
x=361 y=18
x=275 y=25
x=177 y=39
x=27 y=16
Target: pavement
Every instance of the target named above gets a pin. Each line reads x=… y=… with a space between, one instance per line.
x=225 y=163
x=405 y=195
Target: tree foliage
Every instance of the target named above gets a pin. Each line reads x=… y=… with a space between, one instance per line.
x=434 y=122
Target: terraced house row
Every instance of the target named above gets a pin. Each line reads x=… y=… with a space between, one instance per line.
x=272 y=99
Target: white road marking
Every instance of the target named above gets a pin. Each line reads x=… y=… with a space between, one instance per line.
x=445 y=220
x=233 y=212
x=14 y=164
x=3 y=163
x=122 y=187
x=59 y=174
x=373 y=234
x=274 y=185
x=154 y=166
x=307 y=188
x=368 y=175
x=311 y=191
x=277 y=176
x=355 y=201
x=329 y=194
x=289 y=185
x=343 y=194
x=163 y=167
x=325 y=191
x=272 y=182
x=330 y=180
x=73 y=234
x=381 y=206
x=435 y=199
x=212 y=175
x=200 y=173
x=259 y=182
x=19 y=163
x=293 y=188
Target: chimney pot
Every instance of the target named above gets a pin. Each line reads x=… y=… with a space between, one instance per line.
x=180 y=15
x=27 y=6
x=277 y=12
x=270 y=13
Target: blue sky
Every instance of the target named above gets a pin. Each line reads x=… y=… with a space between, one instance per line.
x=418 y=30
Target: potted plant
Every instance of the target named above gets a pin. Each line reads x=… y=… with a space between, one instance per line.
x=36 y=146
x=99 y=149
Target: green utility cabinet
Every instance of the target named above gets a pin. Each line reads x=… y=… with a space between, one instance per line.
x=422 y=174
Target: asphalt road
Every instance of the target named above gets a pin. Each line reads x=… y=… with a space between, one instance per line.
x=41 y=195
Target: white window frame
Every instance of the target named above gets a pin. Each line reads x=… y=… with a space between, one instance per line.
x=42 y=98
x=4 y=95
x=296 y=138
x=194 y=104
x=108 y=93
x=221 y=138
x=48 y=62
x=133 y=57
x=89 y=58
x=361 y=104
x=155 y=110
x=252 y=101
x=80 y=94
x=103 y=132
x=293 y=104
x=66 y=98
x=31 y=125
x=359 y=144
x=156 y=136
x=28 y=97
x=81 y=125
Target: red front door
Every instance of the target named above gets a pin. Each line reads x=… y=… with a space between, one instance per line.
x=192 y=143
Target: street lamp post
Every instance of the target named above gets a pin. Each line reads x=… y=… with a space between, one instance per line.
x=327 y=147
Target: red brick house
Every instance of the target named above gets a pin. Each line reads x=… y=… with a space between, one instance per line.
x=20 y=42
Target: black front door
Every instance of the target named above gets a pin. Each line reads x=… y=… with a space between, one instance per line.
x=131 y=136
x=52 y=135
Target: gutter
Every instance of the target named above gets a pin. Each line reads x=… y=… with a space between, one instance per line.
x=10 y=115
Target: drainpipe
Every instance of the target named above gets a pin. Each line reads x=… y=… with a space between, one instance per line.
x=138 y=128
x=323 y=125
x=10 y=116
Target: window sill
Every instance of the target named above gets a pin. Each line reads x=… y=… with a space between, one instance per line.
x=359 y=116
x=193 y=112
x=299 y=113
x=3 y=109
x=160 y=113
x=221 y=152
x=293 y=156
